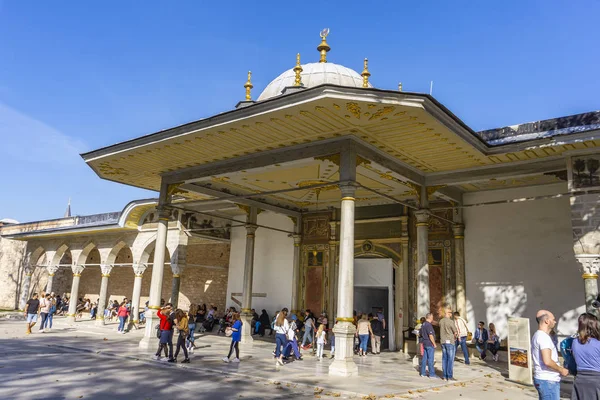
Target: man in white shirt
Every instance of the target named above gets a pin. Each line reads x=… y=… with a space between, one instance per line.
x=463 y=333
x=546 y=370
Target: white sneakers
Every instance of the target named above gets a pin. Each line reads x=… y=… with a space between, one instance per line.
x=236 y=360
x=225 y=359
x=495 y=357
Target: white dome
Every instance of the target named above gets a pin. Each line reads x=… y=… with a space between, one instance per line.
x=314 y=74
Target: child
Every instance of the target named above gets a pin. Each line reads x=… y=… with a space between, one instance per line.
x=236 y=337
x=321 y=340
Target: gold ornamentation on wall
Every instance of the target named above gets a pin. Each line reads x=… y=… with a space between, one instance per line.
x=354 y=108
x=381 y=112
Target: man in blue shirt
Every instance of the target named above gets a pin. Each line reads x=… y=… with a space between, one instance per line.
x=427 y=337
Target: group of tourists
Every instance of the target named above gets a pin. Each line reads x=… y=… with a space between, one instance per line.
x=45 y=306
x=454 y=333
x=581 y=353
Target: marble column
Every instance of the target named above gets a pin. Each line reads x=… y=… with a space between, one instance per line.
x=296 y=271
x=399 y=305
x=77 y=270
x=177 y=271
x=106 y=269
x=423 y=304
x=405 y=321
x=343 y=363
x=590 y=264
x=246 y=314
x=158 y=266
x=25 y=286
x=138 y=270
x=51 y=271
x=333 y=276
x=459 y=264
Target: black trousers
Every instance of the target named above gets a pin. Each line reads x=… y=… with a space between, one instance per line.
x=181 y=345
x=234 y=345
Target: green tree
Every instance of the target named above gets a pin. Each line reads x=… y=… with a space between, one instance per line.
x=592 y=165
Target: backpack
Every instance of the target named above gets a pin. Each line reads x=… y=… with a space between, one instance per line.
x=566 y=350
x=157 y=327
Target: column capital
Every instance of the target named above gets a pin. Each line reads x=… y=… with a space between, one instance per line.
x=422 y=216
x=348 y=191
x=163 y=213
x=77 y=269
x=459 y=230
x=139 y=269
x=52 y=269
x=177 y=270
x=106 y=268
x=251 y=229
x=297 y=239
x=590 y=265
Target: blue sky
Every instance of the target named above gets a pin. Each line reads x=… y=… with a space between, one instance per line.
x=75 y=76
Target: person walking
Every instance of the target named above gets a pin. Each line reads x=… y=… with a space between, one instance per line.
x=546 y=370
x=481 y=337
x=309 y=326
x=292 y=341
x=378 y=334
x=53 y=308
x=31 y=312
x=181 y=319
x=192 y=315
x=427 y=338
x=448 y=335
x=166 y=332
x=363 y=331
x=122 y=313
x=493 y=342
x=586 y=351
x=321 y=337
x=463 y=333
x=236 y=337
x=281 y=327
x=45 y=304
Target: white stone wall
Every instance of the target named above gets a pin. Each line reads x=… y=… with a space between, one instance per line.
x=11 y=272
x=273 y=263
x=519 y=258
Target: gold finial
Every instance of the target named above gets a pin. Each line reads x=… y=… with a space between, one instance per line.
x=366 y=74
x=323 y=48
x=298 y=71
x=249 y=87
x=400 y=87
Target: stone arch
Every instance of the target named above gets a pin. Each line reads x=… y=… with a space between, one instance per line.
x=83 y=256
x=59 y=254
x=373 y=250
x=36 y=256
x=145 y=257
x=114 y=252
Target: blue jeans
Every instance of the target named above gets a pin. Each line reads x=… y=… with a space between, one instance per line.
x=307 y=338
x=122 y=324
x=49 y=321
x=481 y=347
x=427 y=361
x=364 y=339
x=190 y=339
x=448 y=352
x=462 y=342
x=547 y=390
x=280 y=342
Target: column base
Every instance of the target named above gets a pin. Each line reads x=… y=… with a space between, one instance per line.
x=99 y=321
x=247 y=338
x=343 y=363
x=150 y=340
x=70 y=318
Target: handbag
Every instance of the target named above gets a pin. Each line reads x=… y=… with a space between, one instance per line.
x=157 y=327
x=228 y=331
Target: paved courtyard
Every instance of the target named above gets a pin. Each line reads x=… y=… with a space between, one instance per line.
x=89 y=362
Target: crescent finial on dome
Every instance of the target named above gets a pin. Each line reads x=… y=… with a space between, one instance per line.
x=248 y=85
x=298 y=70
x=366 y=74
x=323 y=48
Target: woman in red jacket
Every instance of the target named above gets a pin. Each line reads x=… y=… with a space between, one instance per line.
x=122 y=313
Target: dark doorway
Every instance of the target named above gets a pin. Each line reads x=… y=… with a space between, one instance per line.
x=370 y=300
